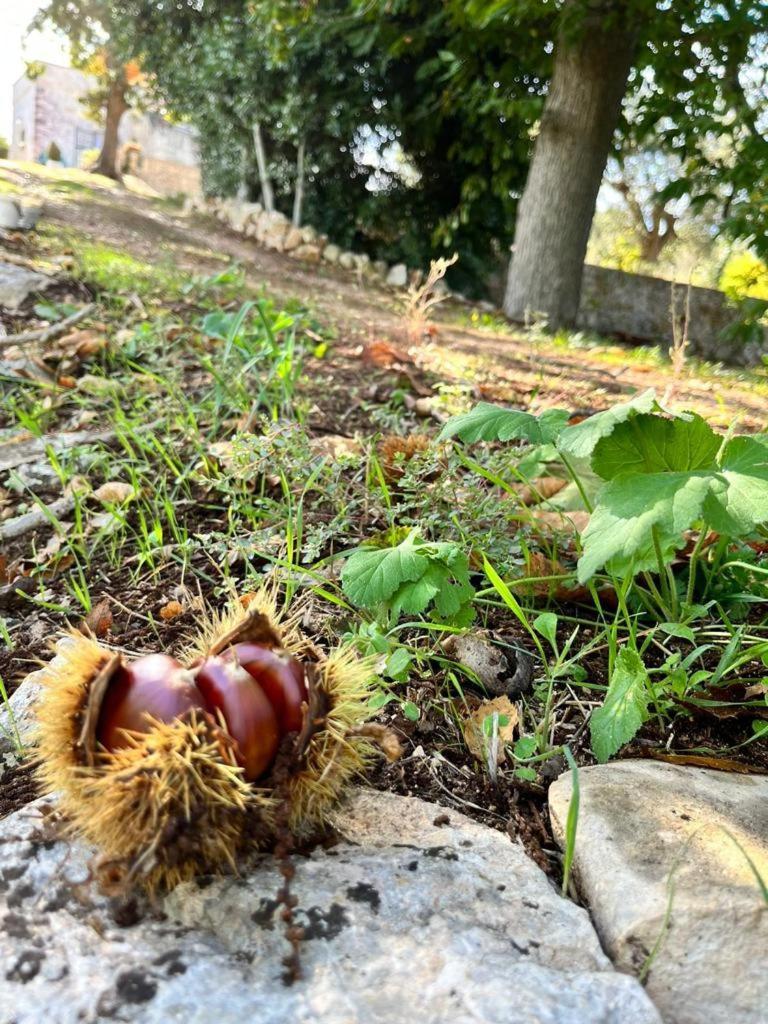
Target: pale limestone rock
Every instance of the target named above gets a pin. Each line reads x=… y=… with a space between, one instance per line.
x=654 y=839
x=398 y=276
x=405 y=921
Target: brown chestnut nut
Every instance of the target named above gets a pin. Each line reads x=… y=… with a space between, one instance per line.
x=154 y=686
x=280 y=676
x=249 y=716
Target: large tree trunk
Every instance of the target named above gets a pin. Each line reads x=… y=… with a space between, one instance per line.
x=556 y=210
x=116 y=107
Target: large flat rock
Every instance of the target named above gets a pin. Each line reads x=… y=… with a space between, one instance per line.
x=16 y=283
x=654 y=840
x=406 y=921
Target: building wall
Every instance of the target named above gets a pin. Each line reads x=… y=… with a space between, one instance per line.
x=48 y=109
x=24 y=106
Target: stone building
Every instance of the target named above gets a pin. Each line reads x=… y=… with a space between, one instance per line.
x=47 y=109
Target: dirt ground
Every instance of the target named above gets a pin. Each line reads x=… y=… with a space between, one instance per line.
x=470 y=350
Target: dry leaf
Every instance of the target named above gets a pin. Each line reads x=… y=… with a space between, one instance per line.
x=172 y=610
x=540 y=566
x=66 y=381
x=98 y=621
x=334 y=445
x=560 y=522
x=540 y=489
x=84 y=343
x=114 y=492
x=477 y=740
x=385 y=354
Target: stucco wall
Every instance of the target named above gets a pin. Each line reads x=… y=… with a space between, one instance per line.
x=639 y=308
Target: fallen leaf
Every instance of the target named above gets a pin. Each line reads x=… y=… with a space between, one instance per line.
x=718 y=764
x=98 y=621
x=560 y=522
x=334 y=445
x=172 y=610
x=541 y=489
x=66 y=381
x=538 y=568
x=83 y=343
x=385 y=354
x=114 y=492
x=475 y=735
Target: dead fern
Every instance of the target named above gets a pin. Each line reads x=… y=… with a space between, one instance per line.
x=422 y=296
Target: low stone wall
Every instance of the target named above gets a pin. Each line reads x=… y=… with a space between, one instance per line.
x=636 y=307
x=632 y=306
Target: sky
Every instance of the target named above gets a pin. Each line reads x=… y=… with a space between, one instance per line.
x=14 y=50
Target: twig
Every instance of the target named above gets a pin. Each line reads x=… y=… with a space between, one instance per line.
x=17 y=527
x=46 y=333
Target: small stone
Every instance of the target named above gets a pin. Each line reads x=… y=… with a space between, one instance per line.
x=661 y=858
x=503 y=671
x=310 y=253
x=308 y=234
x=398 y=276
x=379 y=268
x=16 y=283
x=331 y=253
x=347 y=260
x=292 y=239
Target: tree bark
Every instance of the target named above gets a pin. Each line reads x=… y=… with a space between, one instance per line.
x=116 y=107
x=580 y=115
x=298 y=192
x=267 y=196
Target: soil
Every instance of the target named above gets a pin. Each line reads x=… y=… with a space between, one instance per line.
x=501 y=366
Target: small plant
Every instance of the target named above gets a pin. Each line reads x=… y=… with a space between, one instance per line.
x=53 y=153
x=422 y=297
x=410 y=577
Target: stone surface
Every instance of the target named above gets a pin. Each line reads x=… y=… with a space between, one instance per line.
x=17 y=718
x=292 y=239
x=16 y=283
x=652 y=840
x=398 y=275
x=347 y=261
x=501 y=670
x=331 y=253
x=405 y=921
x=310 y=253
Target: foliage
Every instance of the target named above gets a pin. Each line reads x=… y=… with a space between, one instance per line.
x=4 y=148
x=624 y=708
x=409 y=577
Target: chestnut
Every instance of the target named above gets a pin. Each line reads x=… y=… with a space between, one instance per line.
x=155 y=686
x=248 y=714
x=280 y=676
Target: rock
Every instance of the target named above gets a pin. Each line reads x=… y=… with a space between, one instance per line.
x=17 y=717
x=16 y=283
x=405 y=920
x=292 y=239
x=347 y=261
x=379 y=268
x=331 y=253
x=398 y=275
x=310 y=253
x=652 y=840
x=10 y=213
x=503 y=671
x=240 y=213
x=272 y=229
x=308 y=234
x=362 y=262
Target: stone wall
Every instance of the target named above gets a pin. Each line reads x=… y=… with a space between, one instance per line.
x=638 y=308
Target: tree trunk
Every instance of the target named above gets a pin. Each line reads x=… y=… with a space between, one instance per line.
x=267 y=196
x=556 y=210
x=298 y=192
x=116 y=107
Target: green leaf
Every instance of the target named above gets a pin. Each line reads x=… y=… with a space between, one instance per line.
x=413 y=598
x=653 y=444
x=487 y=422
x=679 y=630
x=371 y=576
x=410 y=711
x=546 y=625
x=625 y=707
x=580 y=439
x=525 y=747
x=740 y=502
x=631 y=506
x=398 y=663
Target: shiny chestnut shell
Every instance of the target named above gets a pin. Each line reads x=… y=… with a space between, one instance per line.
x=249 y=716
x=280 y=676
x=155 y=686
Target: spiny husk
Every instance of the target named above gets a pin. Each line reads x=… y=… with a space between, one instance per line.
x=172 y=803
x=169 y=805
x=335 y=756
x=66 y=682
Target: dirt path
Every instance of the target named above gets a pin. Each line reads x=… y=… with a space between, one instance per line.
x=505 y=365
